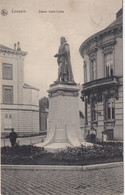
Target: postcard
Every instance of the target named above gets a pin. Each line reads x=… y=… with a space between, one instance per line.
x=61 y=97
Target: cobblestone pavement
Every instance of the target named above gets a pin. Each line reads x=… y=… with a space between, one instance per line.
x=104 y=181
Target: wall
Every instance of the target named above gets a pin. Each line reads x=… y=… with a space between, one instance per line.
x=119 y=57
x=27 y=93
x=119 y=116
x=24 y=121
x=35 y=97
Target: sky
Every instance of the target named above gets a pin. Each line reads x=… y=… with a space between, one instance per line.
x=39 y=33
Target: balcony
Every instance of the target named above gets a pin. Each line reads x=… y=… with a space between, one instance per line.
x=100 y=83
x=107 y=86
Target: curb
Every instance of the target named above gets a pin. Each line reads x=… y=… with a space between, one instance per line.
x=60 y=167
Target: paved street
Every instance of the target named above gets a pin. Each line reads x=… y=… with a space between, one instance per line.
x=103 y=181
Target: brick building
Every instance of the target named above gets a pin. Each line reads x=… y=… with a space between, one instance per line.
x=19 y=101
x=102 y=90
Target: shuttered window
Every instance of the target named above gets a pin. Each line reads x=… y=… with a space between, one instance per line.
x=7 y=71
x=7 y=94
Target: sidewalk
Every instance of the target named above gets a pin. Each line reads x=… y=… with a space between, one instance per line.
x=62 y=167
x=106 y=179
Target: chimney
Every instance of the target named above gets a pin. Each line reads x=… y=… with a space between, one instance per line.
x=14 y=46
x=18 y=46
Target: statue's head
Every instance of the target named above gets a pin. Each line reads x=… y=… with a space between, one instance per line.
x=62 y=40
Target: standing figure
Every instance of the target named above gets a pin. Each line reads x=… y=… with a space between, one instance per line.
x=13 y=137
x=63 y=59
x=104 y=136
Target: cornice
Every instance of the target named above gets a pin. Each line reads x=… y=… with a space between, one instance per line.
x=13 y=52
x=98 y=37
x=108 y=46
x=92 y=53
x=63 y=93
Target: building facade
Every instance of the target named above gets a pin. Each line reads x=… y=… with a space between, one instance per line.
x=19 y=101
x=102 y=91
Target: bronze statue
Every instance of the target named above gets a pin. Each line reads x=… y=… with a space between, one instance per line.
x=63 y=59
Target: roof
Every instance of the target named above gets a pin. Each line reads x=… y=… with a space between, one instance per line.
x=4 y=47
x=10 y=50
x=30 y=87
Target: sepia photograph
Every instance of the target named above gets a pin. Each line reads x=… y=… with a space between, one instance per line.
x=61 y=95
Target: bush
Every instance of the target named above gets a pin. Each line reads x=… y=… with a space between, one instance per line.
x=100 y=152
x=97 y=151
x=21 y=153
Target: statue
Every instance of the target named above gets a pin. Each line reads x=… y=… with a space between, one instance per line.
x=63 y=59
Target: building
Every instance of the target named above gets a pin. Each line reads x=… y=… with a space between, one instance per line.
x=43 y=114
x=102 y=91
x=19 y=101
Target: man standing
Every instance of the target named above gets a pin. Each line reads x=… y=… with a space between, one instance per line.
x=63 y=59
x=13 y=137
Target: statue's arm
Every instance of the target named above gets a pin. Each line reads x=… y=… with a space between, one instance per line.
x=63 y=53
x=60 y=54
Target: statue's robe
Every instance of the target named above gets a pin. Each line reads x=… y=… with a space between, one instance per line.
x=64 y=59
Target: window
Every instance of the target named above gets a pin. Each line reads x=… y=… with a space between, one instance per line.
x=110 y=109
x=93 y=69
x=94 y=110
x=108 y=60
x=7 y=94
x=10 y=116
x=7 y=71
x=86 y=112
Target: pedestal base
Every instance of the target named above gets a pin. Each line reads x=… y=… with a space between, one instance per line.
x=64 y=123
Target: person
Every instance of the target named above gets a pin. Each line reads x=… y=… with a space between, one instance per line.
x=93 y=137
x=93 y=134
x=104 y=136
x=13 y=137
x=63 y=59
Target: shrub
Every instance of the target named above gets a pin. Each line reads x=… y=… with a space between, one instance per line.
x=28 y=154
x=21 y=153
x=97 y=151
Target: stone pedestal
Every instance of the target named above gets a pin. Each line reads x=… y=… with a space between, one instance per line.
x=64 y=123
